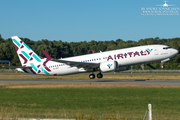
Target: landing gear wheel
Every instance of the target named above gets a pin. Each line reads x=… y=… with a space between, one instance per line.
x=99 y=75
x=91 y=76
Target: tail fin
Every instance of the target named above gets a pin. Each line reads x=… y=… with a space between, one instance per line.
x=25 y=54
x=29 y=58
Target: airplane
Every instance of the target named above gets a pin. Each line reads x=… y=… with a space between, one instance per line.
x=107 y=61
x=165 y=4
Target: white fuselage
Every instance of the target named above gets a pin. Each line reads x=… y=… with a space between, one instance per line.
x=124 y=57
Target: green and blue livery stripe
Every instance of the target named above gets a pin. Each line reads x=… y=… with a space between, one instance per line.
x=25 y=54
x=26 y=46
x=148 y=49
x=16 y=42
x=33 y=67
x=44 y=71
x=34 y=56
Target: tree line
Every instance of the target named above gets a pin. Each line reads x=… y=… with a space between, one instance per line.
x=60 y=49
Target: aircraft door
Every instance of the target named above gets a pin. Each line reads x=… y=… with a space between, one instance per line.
x=155 y=50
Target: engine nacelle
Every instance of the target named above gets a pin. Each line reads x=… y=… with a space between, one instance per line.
x=109 y=66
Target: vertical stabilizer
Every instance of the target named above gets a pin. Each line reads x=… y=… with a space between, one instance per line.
x=27 y=56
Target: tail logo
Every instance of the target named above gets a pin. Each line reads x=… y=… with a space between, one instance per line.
x=149 y=51
x=29 y=58
x=109 y=65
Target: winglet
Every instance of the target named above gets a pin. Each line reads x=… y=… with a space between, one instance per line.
x=47 y=55
x=93 y=51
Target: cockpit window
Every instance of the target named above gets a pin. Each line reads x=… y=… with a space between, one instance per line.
x=165 y=48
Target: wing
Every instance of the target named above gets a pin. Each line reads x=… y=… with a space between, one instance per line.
x=86 y=65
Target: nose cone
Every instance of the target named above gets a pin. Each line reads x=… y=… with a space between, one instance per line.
x=175 y=51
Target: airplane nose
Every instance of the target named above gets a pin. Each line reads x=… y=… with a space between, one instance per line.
x=175 y=51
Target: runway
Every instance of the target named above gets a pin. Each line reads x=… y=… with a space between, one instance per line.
x=65 y=81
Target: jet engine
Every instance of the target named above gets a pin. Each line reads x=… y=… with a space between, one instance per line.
x=109 y=66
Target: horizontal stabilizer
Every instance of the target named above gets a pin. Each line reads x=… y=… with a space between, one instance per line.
x=27 y=69
x=19 y=66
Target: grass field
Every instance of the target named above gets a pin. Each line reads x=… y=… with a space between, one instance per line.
x=90 y=101
x=100 y=102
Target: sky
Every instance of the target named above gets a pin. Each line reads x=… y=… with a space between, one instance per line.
x=86 y=20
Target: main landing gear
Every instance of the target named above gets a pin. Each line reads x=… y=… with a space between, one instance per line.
x=92 y=76
x=99 y=75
